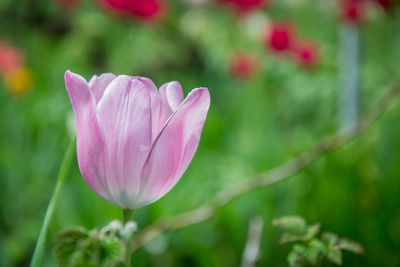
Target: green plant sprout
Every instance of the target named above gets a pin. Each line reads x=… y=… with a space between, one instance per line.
x=104 y=248
x=310 y=250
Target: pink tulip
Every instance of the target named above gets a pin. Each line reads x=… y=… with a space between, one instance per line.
x=134 y=142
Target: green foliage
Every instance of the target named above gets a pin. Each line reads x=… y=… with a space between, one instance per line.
x=105 y=247
x=308 y=249
x=252 y=126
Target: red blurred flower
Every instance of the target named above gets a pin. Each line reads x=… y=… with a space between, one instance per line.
x=243 y=6
x=10 y=58
x=242 y=65
x=306 y=53
x=280 y=37
x=149 y=10
x=145 y=9
x=352 y=10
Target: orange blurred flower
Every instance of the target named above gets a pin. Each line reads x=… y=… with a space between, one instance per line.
x=19 y=81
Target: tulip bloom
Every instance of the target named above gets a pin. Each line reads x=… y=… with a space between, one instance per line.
x=352 y=11
x=134 y=142
x=306 y=53
x=146 y=10
x=243 y=65
x=280 y=37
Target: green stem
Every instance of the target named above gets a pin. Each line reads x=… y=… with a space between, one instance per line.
x=127 y=217
x=128 y=213
x=38 y=253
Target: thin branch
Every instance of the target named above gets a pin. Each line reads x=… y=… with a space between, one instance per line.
x=266 y=178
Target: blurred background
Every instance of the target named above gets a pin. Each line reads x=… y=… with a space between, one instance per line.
x=282 y=75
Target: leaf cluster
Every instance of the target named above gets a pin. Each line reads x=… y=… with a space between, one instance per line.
x=78 y=247
x=310 y=250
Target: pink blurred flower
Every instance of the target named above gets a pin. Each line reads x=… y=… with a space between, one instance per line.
x=10 y=58
x=280 y=36
x=134 y=142
x=352 y=10
x=148 y=10
x=306 y=53
x=242 y=65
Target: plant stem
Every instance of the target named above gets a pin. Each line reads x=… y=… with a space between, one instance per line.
x=127 y=217
x=38 y=253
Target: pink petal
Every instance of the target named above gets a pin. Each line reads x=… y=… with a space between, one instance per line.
x=174 y=147
x=98 y=84
x=89 y=137
x=125 y=116
x=172 y=94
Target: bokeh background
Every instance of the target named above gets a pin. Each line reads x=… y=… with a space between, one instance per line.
x=271 y=100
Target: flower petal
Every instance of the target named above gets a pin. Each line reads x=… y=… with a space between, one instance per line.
x=125 y=117
x=98 y=84
x=89 y=137
x=174 y=147
x=172 y=94
x=157 y=107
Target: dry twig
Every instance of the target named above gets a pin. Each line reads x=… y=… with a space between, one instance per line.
x=266 y=178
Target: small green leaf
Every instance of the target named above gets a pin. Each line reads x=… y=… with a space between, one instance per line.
x=330 y=239
x=67 y=242
x=335 y=255
x=288 y=237
x=312 y=231
x=351 y=246
x=111 y=251
x=314 y=251
x=295 y=224
x=71 y=235
x=296 y=255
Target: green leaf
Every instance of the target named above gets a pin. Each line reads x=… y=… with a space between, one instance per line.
x=294 y=224
x=314 y=251
x=67 y=243
x=71 y=234
x=296 y=255
x=111 y=251
x=288 y=237
x=38 y=253
x=351 y=246
x=312 y=231
x=330 y=239
x=334 y=255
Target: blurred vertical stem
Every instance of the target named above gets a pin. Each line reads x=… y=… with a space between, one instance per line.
x=349 y=65
x=128 y=213
x=37 y=259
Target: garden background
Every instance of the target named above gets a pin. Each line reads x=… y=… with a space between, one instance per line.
x=266 y=109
